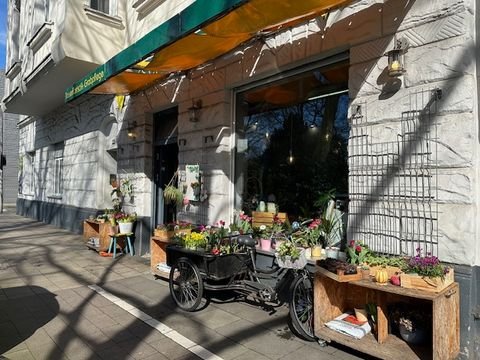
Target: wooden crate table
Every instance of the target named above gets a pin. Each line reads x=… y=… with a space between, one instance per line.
x=95 y=229
x=332 y=298
x=158 y=255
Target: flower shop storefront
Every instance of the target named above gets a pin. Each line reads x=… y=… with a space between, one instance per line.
x=304 y=122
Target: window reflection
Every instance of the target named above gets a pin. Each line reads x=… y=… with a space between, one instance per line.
x=292 y=141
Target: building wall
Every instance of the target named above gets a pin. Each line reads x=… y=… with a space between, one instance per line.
x=92 y=37
x=9 y=148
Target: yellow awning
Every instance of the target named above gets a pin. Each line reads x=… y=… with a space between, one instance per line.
x=212 y=34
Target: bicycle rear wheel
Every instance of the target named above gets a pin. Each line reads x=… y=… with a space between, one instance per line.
x=186 y=284
x=301 y=307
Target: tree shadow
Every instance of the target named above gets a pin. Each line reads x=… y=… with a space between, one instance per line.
x=17 y=323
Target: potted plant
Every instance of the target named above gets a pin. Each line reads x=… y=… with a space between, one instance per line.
x=125 y=222
x=290 y=256
x=426 y=273
x=357 y=252
x=244 y=223
x=194 y=241
x=263 y=235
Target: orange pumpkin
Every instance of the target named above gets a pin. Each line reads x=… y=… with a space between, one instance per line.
x=381 y=276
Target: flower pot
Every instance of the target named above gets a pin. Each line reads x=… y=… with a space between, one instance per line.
x=265 y=244
x=125 y=228
x=317 y=251
x=332 y=252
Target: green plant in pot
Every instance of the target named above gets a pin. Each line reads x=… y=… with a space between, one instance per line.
x=172 y=194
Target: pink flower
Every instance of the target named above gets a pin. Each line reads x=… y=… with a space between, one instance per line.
x=186 y=201
x=358 y=248
x=222 y=223
x=352 y=243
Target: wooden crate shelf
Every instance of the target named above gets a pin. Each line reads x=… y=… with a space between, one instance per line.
x=332 y=298
x=158 y=255
x=92 y=228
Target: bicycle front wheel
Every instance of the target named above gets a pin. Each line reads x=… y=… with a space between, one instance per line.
x=186 y=284
x=301 y=308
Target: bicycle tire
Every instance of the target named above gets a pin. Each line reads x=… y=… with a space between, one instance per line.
x=186 y=284
x=301 y=308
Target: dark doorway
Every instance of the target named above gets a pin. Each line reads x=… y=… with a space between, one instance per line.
x=165 y=162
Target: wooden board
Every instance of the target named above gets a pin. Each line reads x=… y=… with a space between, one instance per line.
x=158 y=254
x=266 y=218
x=446 y=323
x=437 y=284
x=338 y=277
x=394 y=348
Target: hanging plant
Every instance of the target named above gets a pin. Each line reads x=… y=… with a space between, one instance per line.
x=172 y=194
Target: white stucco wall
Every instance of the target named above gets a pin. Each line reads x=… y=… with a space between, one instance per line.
x=441 y=47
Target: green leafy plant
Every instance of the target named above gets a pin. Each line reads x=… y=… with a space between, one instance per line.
x=123 y=217
x=288 y=248
x=173 y=195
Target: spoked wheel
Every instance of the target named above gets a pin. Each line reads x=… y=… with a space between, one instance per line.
x=186 y=284
x=301 y=308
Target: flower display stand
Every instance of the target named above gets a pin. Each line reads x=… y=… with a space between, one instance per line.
x=332 y=298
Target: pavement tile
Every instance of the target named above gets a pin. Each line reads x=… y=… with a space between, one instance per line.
x=216 y=318
x=47 y=351
x=76 y=349
x=118 y=333
x=305 y=353
x=252 y=355
x=40 y=337
x=137 y=348
x=271 y=345
x=103 y=321
x=24 y=354
x=170 y=349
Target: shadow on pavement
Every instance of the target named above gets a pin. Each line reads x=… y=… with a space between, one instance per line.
x=22 y=313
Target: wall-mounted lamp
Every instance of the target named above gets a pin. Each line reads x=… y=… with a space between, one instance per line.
x=194 y=110
x=396 y=58
x=131 y=130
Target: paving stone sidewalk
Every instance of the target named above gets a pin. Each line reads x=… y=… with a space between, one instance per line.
x=48 y=309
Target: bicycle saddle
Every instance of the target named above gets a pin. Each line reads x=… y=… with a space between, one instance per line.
x=246 y=240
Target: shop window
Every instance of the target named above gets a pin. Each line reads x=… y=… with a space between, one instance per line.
x=292 y=137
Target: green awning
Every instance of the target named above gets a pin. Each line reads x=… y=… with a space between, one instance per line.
x=203 y=31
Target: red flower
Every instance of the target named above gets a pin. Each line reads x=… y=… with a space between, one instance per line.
x=352 y=243
x=358 y=248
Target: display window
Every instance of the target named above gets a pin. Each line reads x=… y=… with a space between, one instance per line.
x=291 y=141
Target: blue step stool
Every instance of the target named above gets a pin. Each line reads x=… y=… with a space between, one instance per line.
x=128 y=244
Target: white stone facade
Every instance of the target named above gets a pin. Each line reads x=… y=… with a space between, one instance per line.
x=441 y=56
